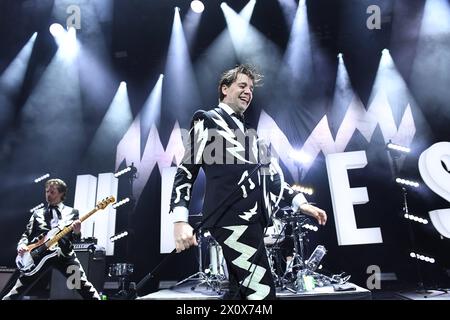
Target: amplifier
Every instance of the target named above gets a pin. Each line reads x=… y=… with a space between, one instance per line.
x=94 y=265
x=84 y=246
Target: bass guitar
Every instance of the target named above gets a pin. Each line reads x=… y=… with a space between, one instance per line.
x=45 y=246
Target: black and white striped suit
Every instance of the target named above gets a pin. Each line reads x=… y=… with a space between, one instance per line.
x=237 y=225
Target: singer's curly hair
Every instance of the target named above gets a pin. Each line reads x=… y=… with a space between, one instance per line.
x=229 y=76
x=60 y=185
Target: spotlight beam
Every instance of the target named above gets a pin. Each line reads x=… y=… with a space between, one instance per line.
x=179 y=75
x=11 y=81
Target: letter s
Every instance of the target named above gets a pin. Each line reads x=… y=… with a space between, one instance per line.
x=437 y=178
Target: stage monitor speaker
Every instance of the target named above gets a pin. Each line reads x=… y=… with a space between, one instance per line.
x=93 y=263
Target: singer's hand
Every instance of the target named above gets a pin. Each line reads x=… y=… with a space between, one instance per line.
x=184 y=237
x=314 y=212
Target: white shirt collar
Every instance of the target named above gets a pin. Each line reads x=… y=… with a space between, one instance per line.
x=60 y=206
x=230 y=111
x=226 y=108
x=54 y=222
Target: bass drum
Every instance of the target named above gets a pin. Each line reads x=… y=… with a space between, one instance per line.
x=274 y=234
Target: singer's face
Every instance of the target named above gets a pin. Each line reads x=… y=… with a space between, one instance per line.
x=239 y=94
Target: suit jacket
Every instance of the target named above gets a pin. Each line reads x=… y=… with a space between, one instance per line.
x=37 y=226
x=228 y=156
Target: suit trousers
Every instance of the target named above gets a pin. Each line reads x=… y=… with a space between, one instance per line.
x=249 y=272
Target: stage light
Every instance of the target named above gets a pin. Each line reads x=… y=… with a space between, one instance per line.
x=66 y=40
x=197 y=6
x=37 y=207
x=123 y=84
x=303 y=189
x=385 y=51
x=415 y=218
x=177 y=9
x=45 y=176
x=422 y=257
x=407 y=182
x=122 y=172
x=340 y=56
x=120 y=203
x=131 y=169
x=300 y=157
x=118 y=236
x=56 y=30
x=396 y=147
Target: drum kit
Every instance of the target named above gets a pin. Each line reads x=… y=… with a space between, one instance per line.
x=285 y=248
x=284 y=243
x=122 y=271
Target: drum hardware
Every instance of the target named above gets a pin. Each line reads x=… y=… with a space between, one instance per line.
x=297 y=264
x=288 y=279
x=300 y=273
x=274 y=234
x=272 y=239
x=213 y=276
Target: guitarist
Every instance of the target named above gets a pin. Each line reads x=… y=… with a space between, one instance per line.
x=42 y=220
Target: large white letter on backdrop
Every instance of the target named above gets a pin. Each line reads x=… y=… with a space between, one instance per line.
x=437 y=178
x=344 y=197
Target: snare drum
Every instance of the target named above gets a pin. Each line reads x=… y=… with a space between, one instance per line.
x=274 y=234
x=121 y=269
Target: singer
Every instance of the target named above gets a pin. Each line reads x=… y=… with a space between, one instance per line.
x=229 y=152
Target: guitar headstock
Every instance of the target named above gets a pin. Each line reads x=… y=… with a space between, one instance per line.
x=104 y=203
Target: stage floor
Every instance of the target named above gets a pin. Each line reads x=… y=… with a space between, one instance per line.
x=428 y=295
x=188 y=292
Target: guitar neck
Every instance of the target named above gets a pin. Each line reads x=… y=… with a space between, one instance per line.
x=68 y=229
